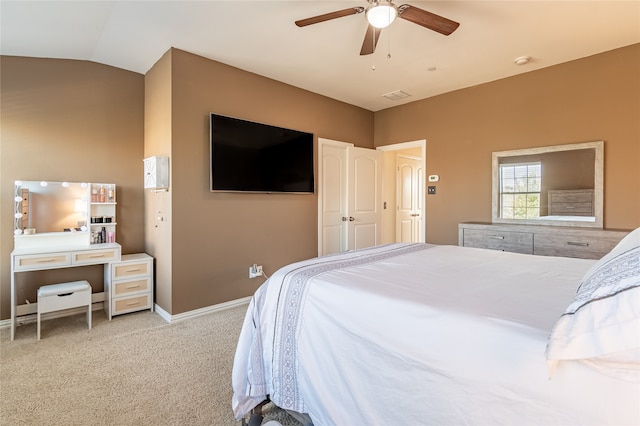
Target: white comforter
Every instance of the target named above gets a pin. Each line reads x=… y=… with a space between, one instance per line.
x=420 y=334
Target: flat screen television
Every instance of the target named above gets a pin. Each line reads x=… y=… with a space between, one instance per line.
x=255 y=157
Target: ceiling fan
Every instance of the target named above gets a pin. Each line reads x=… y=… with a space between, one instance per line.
x=380 y=14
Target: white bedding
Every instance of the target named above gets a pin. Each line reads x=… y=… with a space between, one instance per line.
x=420 y=334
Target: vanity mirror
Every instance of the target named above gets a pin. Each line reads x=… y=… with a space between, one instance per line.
x=558 y=185
x=45 y=207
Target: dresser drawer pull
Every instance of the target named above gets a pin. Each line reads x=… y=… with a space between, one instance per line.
x=570 y=207
x=573 y=243
x=133 y=270
x=45 y=260
x=133 y=303
x=133 y=286
x=496 y=237
x=95 y=256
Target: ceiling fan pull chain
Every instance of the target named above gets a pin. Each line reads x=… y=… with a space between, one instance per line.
x=373 y=41
x=389 y=44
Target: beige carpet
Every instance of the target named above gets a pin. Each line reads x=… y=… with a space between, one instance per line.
x=134 y=370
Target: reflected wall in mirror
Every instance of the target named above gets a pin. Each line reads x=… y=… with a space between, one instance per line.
x=559 y=185
x=44 y=207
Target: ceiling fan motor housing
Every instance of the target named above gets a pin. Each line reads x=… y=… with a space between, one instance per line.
x=381 y=13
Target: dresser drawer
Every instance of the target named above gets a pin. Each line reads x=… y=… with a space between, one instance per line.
x=572 y=209
x=124 y=288
x=89 y=257
x=574 y=245
x=517 y=242
x=131 y=304
x=571 y=196
x=40 y=261
x=131 y=269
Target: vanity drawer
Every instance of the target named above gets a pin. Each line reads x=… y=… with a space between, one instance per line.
x=517 y=242
x=41 y=261
x=88 y=257
x=586 y=246
x=133 y=269
x=131 y=304
x=131 y=287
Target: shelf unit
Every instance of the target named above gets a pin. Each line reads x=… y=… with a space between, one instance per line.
x=102 y=213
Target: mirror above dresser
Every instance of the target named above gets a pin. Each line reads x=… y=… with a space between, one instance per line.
x=559 y=185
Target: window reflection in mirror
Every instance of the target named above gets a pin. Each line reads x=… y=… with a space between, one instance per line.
x=555 y=185
x=43 y=207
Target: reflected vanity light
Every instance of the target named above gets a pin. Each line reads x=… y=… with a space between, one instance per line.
x=43 y=184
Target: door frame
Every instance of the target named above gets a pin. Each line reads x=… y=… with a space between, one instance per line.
x=422 y=144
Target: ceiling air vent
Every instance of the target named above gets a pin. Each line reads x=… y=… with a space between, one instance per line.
x=397 y=95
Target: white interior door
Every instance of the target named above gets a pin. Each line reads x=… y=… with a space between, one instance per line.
x=364 y=204
x=332 y=198
x=409 y=199
x=349 y=197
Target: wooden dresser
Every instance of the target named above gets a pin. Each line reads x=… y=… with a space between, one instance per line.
x=574 y=202
x=586 y=243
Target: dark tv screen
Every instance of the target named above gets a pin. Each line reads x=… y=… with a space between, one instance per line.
x=254 y=157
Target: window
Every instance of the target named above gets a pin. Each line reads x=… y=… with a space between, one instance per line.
x=520 y=190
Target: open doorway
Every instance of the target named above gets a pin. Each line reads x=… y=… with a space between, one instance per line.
x=403 y=192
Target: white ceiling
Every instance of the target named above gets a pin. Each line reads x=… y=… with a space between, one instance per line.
x=260 y=36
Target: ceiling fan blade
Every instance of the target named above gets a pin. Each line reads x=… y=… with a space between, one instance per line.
x=370 y=40
x=427 y=19
x=329 y=16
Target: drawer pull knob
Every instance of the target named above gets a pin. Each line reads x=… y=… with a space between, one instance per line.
x=45 y=260
x=133 y=303
x=133 y=270
x=573 y=243
x=95 y=256
x=133 y=286
x=497 y=237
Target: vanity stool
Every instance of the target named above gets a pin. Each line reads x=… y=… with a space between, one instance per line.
x=57 y=297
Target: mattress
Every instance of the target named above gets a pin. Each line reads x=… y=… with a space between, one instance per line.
x=422 y=334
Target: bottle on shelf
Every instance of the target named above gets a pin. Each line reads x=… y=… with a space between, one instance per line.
x=94 y=194
x=111 y=195
x=103 y=194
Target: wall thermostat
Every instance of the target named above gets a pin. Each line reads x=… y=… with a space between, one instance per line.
x=434 y=178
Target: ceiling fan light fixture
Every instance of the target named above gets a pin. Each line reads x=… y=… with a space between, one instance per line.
x=381 y=13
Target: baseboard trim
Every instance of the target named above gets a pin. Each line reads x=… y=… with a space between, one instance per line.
x=201 y=311
x=25 y=319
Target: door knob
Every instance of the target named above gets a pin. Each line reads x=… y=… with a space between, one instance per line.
x=351 y=218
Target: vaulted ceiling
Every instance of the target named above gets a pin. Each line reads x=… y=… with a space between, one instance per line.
x=261 y=37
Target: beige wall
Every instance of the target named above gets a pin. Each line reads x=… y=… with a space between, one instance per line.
x=594 y=98
x=75 y=120
x=215 y=237
x=157 y=205
x=65 y=120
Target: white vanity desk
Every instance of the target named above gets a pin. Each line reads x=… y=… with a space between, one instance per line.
x=40 y=257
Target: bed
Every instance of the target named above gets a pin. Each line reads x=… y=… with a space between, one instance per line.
x=436 y=335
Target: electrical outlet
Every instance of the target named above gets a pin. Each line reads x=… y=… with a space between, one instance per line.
x=255 y=270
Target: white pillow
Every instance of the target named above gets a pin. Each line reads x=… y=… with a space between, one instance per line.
x=604 y=316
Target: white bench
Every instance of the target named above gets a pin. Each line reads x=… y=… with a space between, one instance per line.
x=57 y=297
